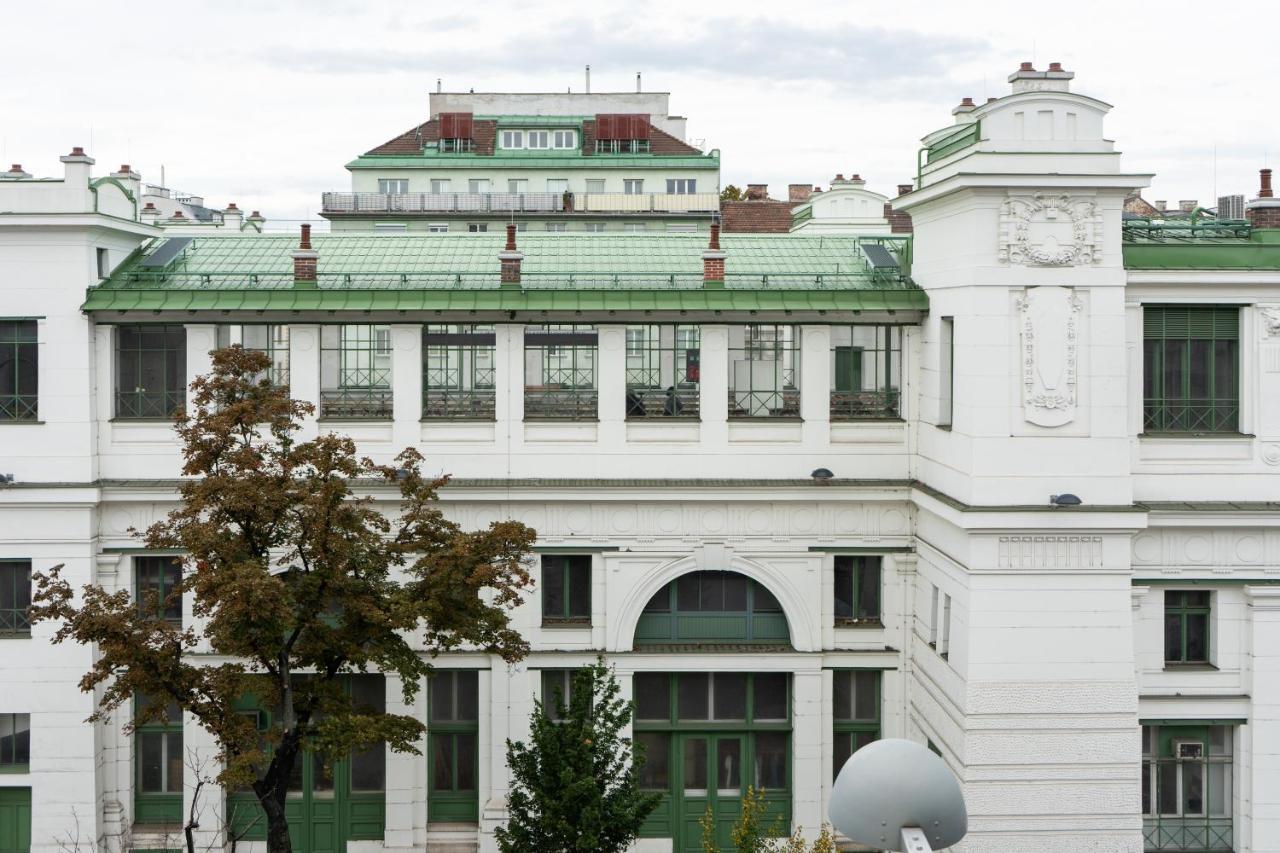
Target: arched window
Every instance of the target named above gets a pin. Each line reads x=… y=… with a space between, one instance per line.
x=712 y=607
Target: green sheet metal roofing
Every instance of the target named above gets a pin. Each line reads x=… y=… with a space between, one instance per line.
x=1203 y=245
x=461 y=272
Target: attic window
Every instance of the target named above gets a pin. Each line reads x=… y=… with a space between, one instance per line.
x=622 y=133
x=457 y=146
x=457 y=131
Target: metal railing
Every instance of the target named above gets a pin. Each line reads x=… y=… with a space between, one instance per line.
x=147 y=405
x=572 y=404
x=448 y=403
x=602 y=203
x=1184 y=230
x=356 y=403
x=864 y=405
x=782 y=403
x=1191 y=415
x=663 y=403
x=962 y=137
x=1199 y=834
x=15 y=620
x=19 y=407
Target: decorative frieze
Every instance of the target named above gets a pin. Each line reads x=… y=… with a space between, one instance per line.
x=1050 y=552
x=1049 y=230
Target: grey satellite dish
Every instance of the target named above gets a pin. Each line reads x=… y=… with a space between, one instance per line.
x=897 y=795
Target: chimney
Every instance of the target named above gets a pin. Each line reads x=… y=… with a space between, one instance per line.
x=15 y=173
x=713 y=261
x=233 y=218
x=798 y=193
x=510 y=258
x=757 y=192
x=77 y=165
x=1264 y=211
x=257 y=220
x=178 y=216
x=304 y=261
x=1186 y=205
x=962 y=111
x=857 y=181
x=1161 y=205
x=1028 y=79
x=149 y=213
x=903 y=189
x=129 y=179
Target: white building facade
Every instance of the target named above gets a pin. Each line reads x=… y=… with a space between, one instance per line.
x=796 y=489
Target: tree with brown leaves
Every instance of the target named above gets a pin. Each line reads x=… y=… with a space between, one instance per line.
x=294 y=582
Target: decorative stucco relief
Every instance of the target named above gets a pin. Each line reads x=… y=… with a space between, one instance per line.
x=1270 y=316
x=1049 y=230
x=1050 y=342
x=1050 y=552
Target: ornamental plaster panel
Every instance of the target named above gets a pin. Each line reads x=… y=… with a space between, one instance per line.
x=1220 y=550
x=1049 y=230
x=1049 y=320
x=1050 y=552
x=1269 y=317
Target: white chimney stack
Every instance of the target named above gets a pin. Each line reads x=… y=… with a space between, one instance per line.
x=77 y=165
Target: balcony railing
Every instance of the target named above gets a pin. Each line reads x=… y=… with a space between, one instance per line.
x=598 y=203
x=18 y=407
x=864 y=405
x=148 y=405
x=658 y=403
x=1199 y=834
x=571 y=404
x=356 y=403
x=446 y=403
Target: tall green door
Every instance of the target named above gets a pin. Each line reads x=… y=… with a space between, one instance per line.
x=711 y=779
x=15 y=820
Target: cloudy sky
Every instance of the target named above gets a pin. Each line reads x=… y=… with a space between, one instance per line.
x=263 y=102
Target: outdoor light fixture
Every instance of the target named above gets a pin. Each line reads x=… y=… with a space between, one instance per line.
x=1065 y=500
x=822 y=474
x=895 y=794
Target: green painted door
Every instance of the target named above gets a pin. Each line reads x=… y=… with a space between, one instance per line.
x=15 y=820
x=711 y=779
x=312 y=806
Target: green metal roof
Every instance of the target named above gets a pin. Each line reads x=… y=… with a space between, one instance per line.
x=1199 y=244
x=460 y=272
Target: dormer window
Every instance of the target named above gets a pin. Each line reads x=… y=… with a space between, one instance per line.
x=622 y=146
x=564 y=139
x=539 y=139
x=457 y=132
x=622 y=133
x=513 y=139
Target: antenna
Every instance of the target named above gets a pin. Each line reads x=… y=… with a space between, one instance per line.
x=439 y=86
x=588 y=79
x=637 y=82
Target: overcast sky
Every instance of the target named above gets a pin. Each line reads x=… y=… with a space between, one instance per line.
x=262 y=102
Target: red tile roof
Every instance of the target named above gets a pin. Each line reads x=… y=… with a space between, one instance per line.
x=412 y=140
x=660 y=142
x=766 y=216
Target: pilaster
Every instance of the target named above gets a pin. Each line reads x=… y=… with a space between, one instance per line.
x=304 y=373
x=713 y=387
x=202 y=340
x=815 y=385
x=406 y=379
x=611 y=375
x=1263 y=759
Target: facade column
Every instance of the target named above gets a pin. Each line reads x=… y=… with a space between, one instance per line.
x=304 y=373
x=202 y=340
x=815 y=384
x=508 y=380
x=713 y=386
x=406 y=384
x=1263 y=759
x=611 y=385
x=811 y=724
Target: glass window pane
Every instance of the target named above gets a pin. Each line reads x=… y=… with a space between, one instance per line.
x=661 y=601
x=1220 y=740
x=1192 y=788
x=1167 y=787
x=765 y=602
x=695 y=765
x=841 y=749
x=866 y=702
x=151 y=761
x=466 y=746
x=1146 y=788
x=21 y=725
x=728 y=765
x=442 y=762
x=711 y=591
x=368 y=769
x=441 y=697
x=1197 y=637
x=368 y=692
x=730 y=696
x=844 y=587
x=769 y=694
x=174 y=757
x=553 y=600
x=652 y=691
x=1219 y=789
x=580 y=586
x=869 y=588
x=468 y=693
x=735 y=591
x=842 y=694
x=655 y=772
x=687 y=592
x=771 y=761
x=692 y=696
x=1173 y=636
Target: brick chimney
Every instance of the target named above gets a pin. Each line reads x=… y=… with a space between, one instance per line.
x=903 y=189
x=1264 y=211
x=757 y=192
x=304 y=261
x=798 y=193
x=961 y=112
x=713 y=261
x=510 y=257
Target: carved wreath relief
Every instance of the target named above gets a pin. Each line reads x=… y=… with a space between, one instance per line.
x=1050 y=341
x=1049 y=230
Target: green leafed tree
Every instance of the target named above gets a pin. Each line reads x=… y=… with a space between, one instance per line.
x=294 y=582
x=731 y=193
x=576 y=782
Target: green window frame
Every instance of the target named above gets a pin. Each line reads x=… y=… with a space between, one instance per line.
x=1187 y=770
x=151 y=371
x=560 y=372
x=1191 y=369
x=557 y=690
x=664 y=368
x=159 y=761
x=15 y=598
x=855 y=712
x=866 y=372
x=764 y=371
x=857 y=588
x=566 y=589
x=1187 y=626
x=155 y=578
x=355 y=372
x=713 y=607
x=15 y=820
x=19 y=371
x=15 y=743
x=459 y=372
x=269 y=339
x=453 y=733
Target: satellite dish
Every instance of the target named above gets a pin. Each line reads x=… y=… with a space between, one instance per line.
x=897 y=795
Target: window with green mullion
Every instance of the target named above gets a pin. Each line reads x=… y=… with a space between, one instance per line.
x=15 y=598
x=566 y=589
x=19 y=373
x=155 y=578
x=158 y=762
x=1186 y=626
x=855 y=712
x=1191 y=368
x=453 y=730
x=857 y=589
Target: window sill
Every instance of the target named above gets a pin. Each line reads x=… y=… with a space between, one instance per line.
x=341 y=419
x=796 y=419
x=1189 y=666
x=564 y=420
x=126 y=420
x=1239 y=436
x=14 y=635
x=944 y=427
x=862 y=624
x=458 y=420
x=658 y=419
x=19 y=422
x=15 y=769
x=566 y=622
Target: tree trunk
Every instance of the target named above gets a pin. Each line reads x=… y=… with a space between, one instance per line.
x=278 y=840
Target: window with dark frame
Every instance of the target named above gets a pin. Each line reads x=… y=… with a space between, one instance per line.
x=453 y=725
x=866 y=372
x=155 y=578
x=15 y=741
x=271 y=340
x=15 y=598
x=151 y=371
x=158 y=763
x=355 y=371
x=857 y=589
x=566 y=588
x=1187 y=786
x=560 y=372
x=1191 y=369
x=19 y=371
x=764 y=371
x=855 y=712
x=557 y=691
x=458 y=372
x=664 y=368
x=1186 y=626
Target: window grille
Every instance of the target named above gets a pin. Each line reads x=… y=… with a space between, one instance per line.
x=866 y=372
x=268 y=339
x=355 y=372
x=663 y=371
x=1191 y=368
x=764 y=371
x=151 y=370
x=19 y=371
x=458 y=372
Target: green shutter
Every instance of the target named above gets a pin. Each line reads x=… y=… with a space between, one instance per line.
x=15 y=820
x=1194 y=321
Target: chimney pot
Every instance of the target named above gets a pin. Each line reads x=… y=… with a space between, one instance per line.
x=231 y=205
x=306 y=236
x=511 y=237
x=125 y=167
x=1026 y=66
x=1055 y=66
x=966 y=102
x=1264 y=190
x=77 y=151
x=255 y=215
x=903 y=189
x=149 y=206
x=839 y=176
